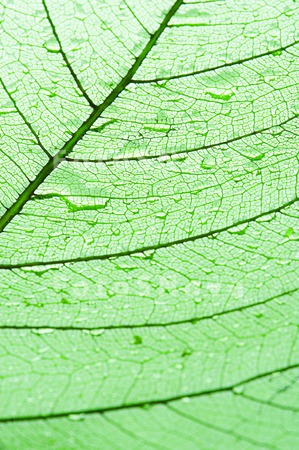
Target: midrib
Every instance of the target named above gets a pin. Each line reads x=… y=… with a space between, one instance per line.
x=56 y=160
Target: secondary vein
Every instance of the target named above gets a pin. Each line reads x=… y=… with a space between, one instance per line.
x=220 y=66
x=193 y=320
x=32 y=130
x=211 y=233
x=65 y=58
x=165 y=401
x=185 y=151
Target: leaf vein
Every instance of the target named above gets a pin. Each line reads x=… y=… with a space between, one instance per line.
x=85 y=126
x=212 y=233
x=65 y=58
x=186 y=151
x=192 y=320
x=221 y=66
x=165 y=401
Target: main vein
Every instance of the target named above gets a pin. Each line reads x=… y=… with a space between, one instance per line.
x=82 y=130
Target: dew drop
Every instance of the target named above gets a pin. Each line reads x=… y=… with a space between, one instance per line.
x=161 y=215
x=76 y=417
x=137 y=340
x=208 y=162
x=221 y=95
x=42 y=330
x=238 y=389
x=97 y=332
x=290 y=231
x=240 y=229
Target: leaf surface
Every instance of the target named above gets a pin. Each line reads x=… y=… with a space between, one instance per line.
x=149 y=225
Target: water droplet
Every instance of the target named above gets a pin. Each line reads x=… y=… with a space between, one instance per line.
x=186 y=352
x=208 y=162
x=146 y=406
x=43 y=349
x=110 y=293
x=76 y=417
x=290 y=231
x=98 y=332
x=266 y=218
x=221 y=95
x=64 y=301
x=240 y=229
x=51 y=45
x=137 y=340
x=255 y=155
x=251 y=32
x=238 y=389
x=161 y=215
x=288 y=12
x=277 y=52
x=283 y=262
x=42 y=330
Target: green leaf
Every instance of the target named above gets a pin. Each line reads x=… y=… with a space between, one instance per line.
x=149 y=225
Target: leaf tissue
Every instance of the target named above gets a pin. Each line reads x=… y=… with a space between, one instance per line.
x=149 y=230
